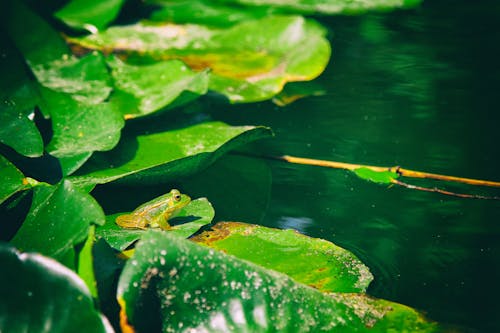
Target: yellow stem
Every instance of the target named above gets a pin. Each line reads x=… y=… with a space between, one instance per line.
x=401 y=171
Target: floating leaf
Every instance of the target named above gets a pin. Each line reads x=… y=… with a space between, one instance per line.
x=382 y=177
x=41 y=295
x=91 y=15
x=327 y=6
x=85 y=267
x=166 y=155
x=58 y=219
x=86 y=79
x=171 y=284
x=18 y=97
x=153 y=87
x=315 y=262
x=80 y=128
x=35 y=38
x=298 y=90
x=12 y=179
x=250 y=61
x=206 y=12
x=190 y=219
x=20 y=133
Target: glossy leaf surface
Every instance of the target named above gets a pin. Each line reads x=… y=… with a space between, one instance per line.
x=153 y=87
x=12 y=179
x=153 y=158
x=315 y=262
x=80 y=128
x=250 y=61
x=58 y=219
x=190 y=219
x=171 y=284
x=381 y=177
x=91 y=15
x=41 y=295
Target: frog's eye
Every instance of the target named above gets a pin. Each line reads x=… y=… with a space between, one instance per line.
x=177 y=197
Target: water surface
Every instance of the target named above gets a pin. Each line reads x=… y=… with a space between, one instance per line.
x=413 y=88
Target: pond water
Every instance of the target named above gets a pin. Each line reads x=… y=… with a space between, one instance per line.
x=414 y=88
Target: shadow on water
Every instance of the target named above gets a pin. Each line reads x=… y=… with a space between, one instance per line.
x=414 y=88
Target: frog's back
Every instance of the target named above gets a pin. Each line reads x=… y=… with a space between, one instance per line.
x=153 y=208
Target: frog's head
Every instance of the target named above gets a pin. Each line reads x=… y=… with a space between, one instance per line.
x=180 y=200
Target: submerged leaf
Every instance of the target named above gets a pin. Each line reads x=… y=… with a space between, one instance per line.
x=58 y=219
x=326 y=6
x=171 y=284
x=189 y=220
x=382 y=177
x=41 y=295
x=315 y=262
x=166 y=155
x=250 y=61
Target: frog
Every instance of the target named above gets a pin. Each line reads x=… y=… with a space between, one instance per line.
x=155 y=213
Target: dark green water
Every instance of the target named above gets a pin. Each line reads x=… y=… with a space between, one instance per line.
x=418 y=89
x=415 y=88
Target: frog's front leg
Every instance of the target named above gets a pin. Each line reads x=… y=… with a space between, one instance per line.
x=131 y=221
x=163 y=223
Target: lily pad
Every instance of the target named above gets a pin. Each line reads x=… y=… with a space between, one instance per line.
x=189 y=220
x=155 y=158
x=85 y=79
x=153 y=87
x=58 y=219
x=41 y=295
x=381 y=177
x=171 y=284
x=12 y=179
x=80 y=128
x=18 y=97
x=315 y=262
x=85 y=266
x=91 y=15
x=250 y=61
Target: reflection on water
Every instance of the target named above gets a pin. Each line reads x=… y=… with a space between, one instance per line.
x=412 y=88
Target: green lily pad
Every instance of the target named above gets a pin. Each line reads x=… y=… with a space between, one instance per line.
x=80 y=128
x=85 y=79
x=206 y=12
x=41 y=295
x=12 y=179
x=172 y=284
x=18 y=98
x=20 y=133
x=58 y=219
x=85 y=266
x=315 y=262
x=381 y=177
x=91 y=15
x=35 y=38
x=189 y=220
x=327 y=6
x=156 y=158
x=248 y=62
x=153 y=87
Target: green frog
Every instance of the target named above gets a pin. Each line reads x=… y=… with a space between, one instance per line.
x=155 y=213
